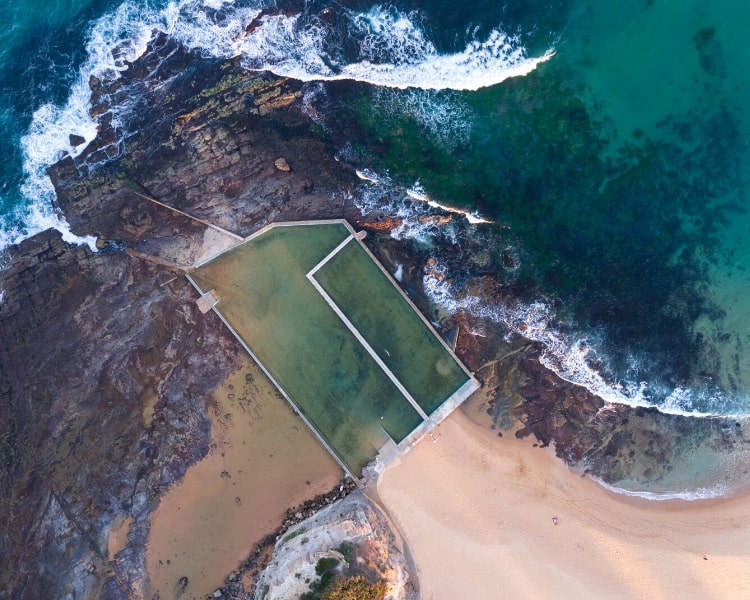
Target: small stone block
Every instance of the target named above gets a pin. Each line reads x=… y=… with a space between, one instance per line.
x=207 y=301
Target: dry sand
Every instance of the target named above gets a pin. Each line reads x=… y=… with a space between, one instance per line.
x=477 y=513
x=262 y=460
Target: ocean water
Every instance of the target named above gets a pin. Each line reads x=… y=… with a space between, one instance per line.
x=606 y=141
x=42 y=47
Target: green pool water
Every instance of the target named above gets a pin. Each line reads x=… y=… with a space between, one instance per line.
x=392 y=327
x=305 y=346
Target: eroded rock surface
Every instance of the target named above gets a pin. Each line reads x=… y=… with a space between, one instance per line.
x=105 y=362
x=353 y=536
x=204 y=141
x=104 y=375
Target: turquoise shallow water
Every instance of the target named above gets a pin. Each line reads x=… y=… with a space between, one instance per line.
x=677 y=73
x=42 y=46
x=616 y=169
x=620 y=165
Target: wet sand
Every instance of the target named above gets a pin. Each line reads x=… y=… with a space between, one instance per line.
x=263 y=460
x=488 y=517
x=118 y=536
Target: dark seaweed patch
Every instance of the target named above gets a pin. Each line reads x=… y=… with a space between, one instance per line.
x=622 y=235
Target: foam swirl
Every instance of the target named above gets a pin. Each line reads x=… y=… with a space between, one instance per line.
x=391 y=49
x=571 y=357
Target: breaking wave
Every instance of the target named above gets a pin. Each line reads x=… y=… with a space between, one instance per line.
x=571 y=357
x=114 y=40
x=381 y=46
x=719 y=490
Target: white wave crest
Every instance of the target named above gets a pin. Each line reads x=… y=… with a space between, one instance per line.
x=393 y=50
x=570 y=357
x=481 y=64
x=719 y=490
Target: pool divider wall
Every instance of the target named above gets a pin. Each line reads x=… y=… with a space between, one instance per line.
x=414 y=307
x=365 y=344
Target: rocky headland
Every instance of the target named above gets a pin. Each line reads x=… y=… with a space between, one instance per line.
x=352 y=538
x=106 y=364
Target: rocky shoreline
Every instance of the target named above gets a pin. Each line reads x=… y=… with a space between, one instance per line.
x=106 y=364
x=102 y=408
x=354 y=537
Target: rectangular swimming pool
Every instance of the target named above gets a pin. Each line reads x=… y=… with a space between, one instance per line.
x=346 y=376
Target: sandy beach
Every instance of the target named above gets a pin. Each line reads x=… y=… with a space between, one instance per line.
x=491 y=517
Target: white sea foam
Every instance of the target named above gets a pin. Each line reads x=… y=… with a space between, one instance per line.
x=38 y=217
x=718 y=472
x=572 y=357
x=719 y=490
x=411 y=206
x=44 y=143
x=393 y=50
x=128 y=29
x=391 y=36
x=379 y=194
x=202 y=32
x=479 y=65
x=443 y=116
x=399 y=273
